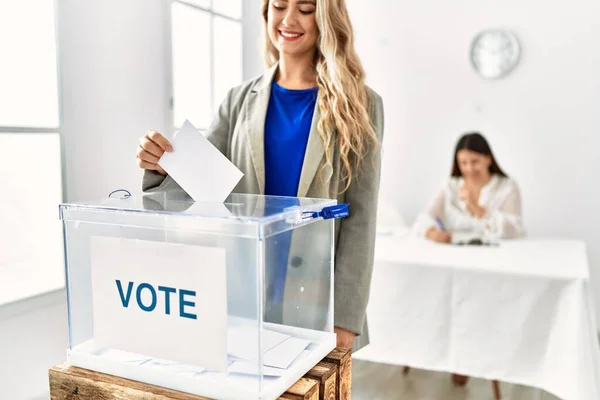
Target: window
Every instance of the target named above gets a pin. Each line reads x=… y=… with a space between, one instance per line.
x=28 y=78
x=206 y=57
x=31 y=260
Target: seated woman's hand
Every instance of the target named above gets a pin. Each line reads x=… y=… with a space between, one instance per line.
x=437 y=235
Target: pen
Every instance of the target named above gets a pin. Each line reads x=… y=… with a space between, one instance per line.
x=440 y=224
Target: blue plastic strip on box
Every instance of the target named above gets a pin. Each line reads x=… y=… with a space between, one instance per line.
x=332 y=212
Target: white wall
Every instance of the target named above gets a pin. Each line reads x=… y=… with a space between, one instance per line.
x=33 y=338
x=114 y=86
x=253 y=60
x=542 y=121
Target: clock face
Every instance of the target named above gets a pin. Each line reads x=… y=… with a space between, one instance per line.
x=495 y=53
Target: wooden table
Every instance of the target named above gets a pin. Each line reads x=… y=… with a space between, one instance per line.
x=331 y=379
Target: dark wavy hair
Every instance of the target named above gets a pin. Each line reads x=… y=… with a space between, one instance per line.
x=475 y=141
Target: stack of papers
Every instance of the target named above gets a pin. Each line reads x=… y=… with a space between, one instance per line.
x=164 y=365
x=244 y=367
x=280 y=352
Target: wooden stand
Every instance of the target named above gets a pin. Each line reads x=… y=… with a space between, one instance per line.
x=328 y=380
x=342 y=359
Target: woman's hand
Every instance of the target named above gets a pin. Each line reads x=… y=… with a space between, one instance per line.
x=437 y=235
x=468 y=194
x=152 y=146
x=345 y=338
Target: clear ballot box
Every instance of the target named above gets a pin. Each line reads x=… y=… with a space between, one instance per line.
x=228 y=300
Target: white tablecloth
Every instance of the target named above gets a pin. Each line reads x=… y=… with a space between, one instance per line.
x=521 y=312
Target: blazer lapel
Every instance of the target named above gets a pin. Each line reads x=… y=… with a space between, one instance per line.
x=313 y=156
x=256 y=109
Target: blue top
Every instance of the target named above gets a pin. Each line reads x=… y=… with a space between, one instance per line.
x=287 y=126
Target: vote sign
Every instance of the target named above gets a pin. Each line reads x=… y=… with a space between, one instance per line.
x=160 y=300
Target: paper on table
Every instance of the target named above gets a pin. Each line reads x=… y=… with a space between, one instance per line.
x=175 y=367
x=199 y=167
x=248 y=368
x=242 y=341
x=282 y=355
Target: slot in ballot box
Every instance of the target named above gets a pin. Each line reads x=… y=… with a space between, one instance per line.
x=228 y=300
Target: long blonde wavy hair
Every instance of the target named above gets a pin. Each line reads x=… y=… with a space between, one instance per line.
x=344 y=101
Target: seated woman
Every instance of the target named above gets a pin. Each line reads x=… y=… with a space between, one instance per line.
x=479 y=198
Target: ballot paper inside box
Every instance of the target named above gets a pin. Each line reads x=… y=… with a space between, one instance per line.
x=228 y=300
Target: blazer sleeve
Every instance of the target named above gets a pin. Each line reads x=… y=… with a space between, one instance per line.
x=356 y=240
x=218 y=134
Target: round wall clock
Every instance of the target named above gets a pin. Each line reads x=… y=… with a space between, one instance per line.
x=495 y=53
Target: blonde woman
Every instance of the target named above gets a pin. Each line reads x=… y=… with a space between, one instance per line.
x=308 y=127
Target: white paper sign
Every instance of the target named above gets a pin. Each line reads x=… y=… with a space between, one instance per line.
x=162 y=300
x=199 y=167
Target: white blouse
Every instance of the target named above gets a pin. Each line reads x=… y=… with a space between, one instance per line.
x=501 y=199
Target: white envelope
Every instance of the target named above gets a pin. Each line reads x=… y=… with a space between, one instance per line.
x=242 y=341
x=282 y=355
x=199 y=167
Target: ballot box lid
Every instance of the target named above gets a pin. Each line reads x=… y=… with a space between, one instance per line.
x=240 y=214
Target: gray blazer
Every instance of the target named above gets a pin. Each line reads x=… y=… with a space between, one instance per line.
x=238 y=132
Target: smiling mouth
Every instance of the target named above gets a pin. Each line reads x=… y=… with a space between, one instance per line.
x=290 y=35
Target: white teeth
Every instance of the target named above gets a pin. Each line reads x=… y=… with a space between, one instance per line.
x=290 y=35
